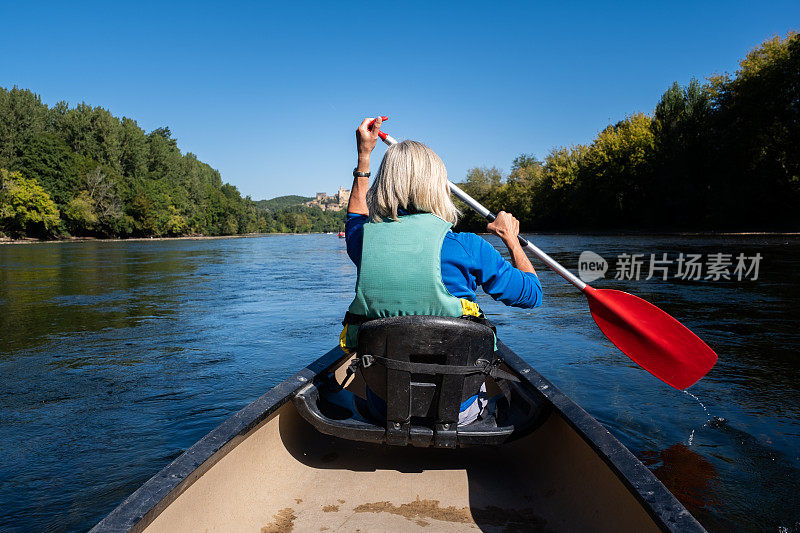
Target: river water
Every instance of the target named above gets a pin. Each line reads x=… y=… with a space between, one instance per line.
x=118 y=356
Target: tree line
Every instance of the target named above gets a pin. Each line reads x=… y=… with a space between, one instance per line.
x=720 y=155
x=82 y=171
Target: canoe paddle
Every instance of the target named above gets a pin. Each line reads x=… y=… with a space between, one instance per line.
x=649 y=336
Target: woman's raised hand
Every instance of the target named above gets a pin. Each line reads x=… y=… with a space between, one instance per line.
x=367 y=137
x=505 y=226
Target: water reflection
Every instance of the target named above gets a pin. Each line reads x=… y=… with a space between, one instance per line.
x=52 y=289
x=687 y=474
x=760 y=482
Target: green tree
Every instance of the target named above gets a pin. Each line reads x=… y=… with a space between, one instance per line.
x=611 y=192
x=80 y=214
x=56 y=167
x=25 y=207
x=521 y=192
x=756 y=125
x=133 y=150
x=678 y=194
x=164 y=155
x=482 y=183
x=22 y=116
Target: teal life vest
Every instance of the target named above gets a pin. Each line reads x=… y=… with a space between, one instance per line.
x=401 y=273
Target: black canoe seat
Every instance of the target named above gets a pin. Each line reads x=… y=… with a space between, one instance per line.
x=407 y=365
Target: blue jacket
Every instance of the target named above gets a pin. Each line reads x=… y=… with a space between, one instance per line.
x=467 y=261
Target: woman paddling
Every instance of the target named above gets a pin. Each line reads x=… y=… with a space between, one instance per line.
x=409 y=262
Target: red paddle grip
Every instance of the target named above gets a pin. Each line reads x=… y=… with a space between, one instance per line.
x=372 y=123
x=380 y=133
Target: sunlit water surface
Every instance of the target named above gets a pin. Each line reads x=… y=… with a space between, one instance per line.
x=118 y=356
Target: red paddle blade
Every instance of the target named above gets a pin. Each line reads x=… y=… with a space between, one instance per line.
x=652 y=338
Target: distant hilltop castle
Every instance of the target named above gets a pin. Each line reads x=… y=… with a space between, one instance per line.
x=336 y=202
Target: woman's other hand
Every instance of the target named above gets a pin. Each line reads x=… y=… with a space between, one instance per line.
x=505 y=226
x=366 y=137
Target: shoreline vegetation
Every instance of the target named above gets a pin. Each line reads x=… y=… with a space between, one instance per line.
x=66 y=240
x=719 y=156
x=34 y=240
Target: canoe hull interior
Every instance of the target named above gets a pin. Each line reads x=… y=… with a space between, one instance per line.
x=281 y=474
x=284 y=474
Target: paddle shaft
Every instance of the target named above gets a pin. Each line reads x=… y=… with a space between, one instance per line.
x=488 y=215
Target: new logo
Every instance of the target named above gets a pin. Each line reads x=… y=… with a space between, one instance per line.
x=591 y=266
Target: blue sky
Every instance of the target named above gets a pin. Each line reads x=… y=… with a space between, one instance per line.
x=271 y=93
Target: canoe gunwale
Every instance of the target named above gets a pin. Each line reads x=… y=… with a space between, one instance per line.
x=657 y=500
x=139 y=509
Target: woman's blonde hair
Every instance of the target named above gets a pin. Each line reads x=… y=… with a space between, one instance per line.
x=411 y=177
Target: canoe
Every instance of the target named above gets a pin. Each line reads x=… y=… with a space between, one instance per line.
x=267 y=468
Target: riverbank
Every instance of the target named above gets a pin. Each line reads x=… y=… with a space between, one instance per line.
x=31 y=240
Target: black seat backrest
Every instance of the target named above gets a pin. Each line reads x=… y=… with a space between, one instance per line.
x=432 y=399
